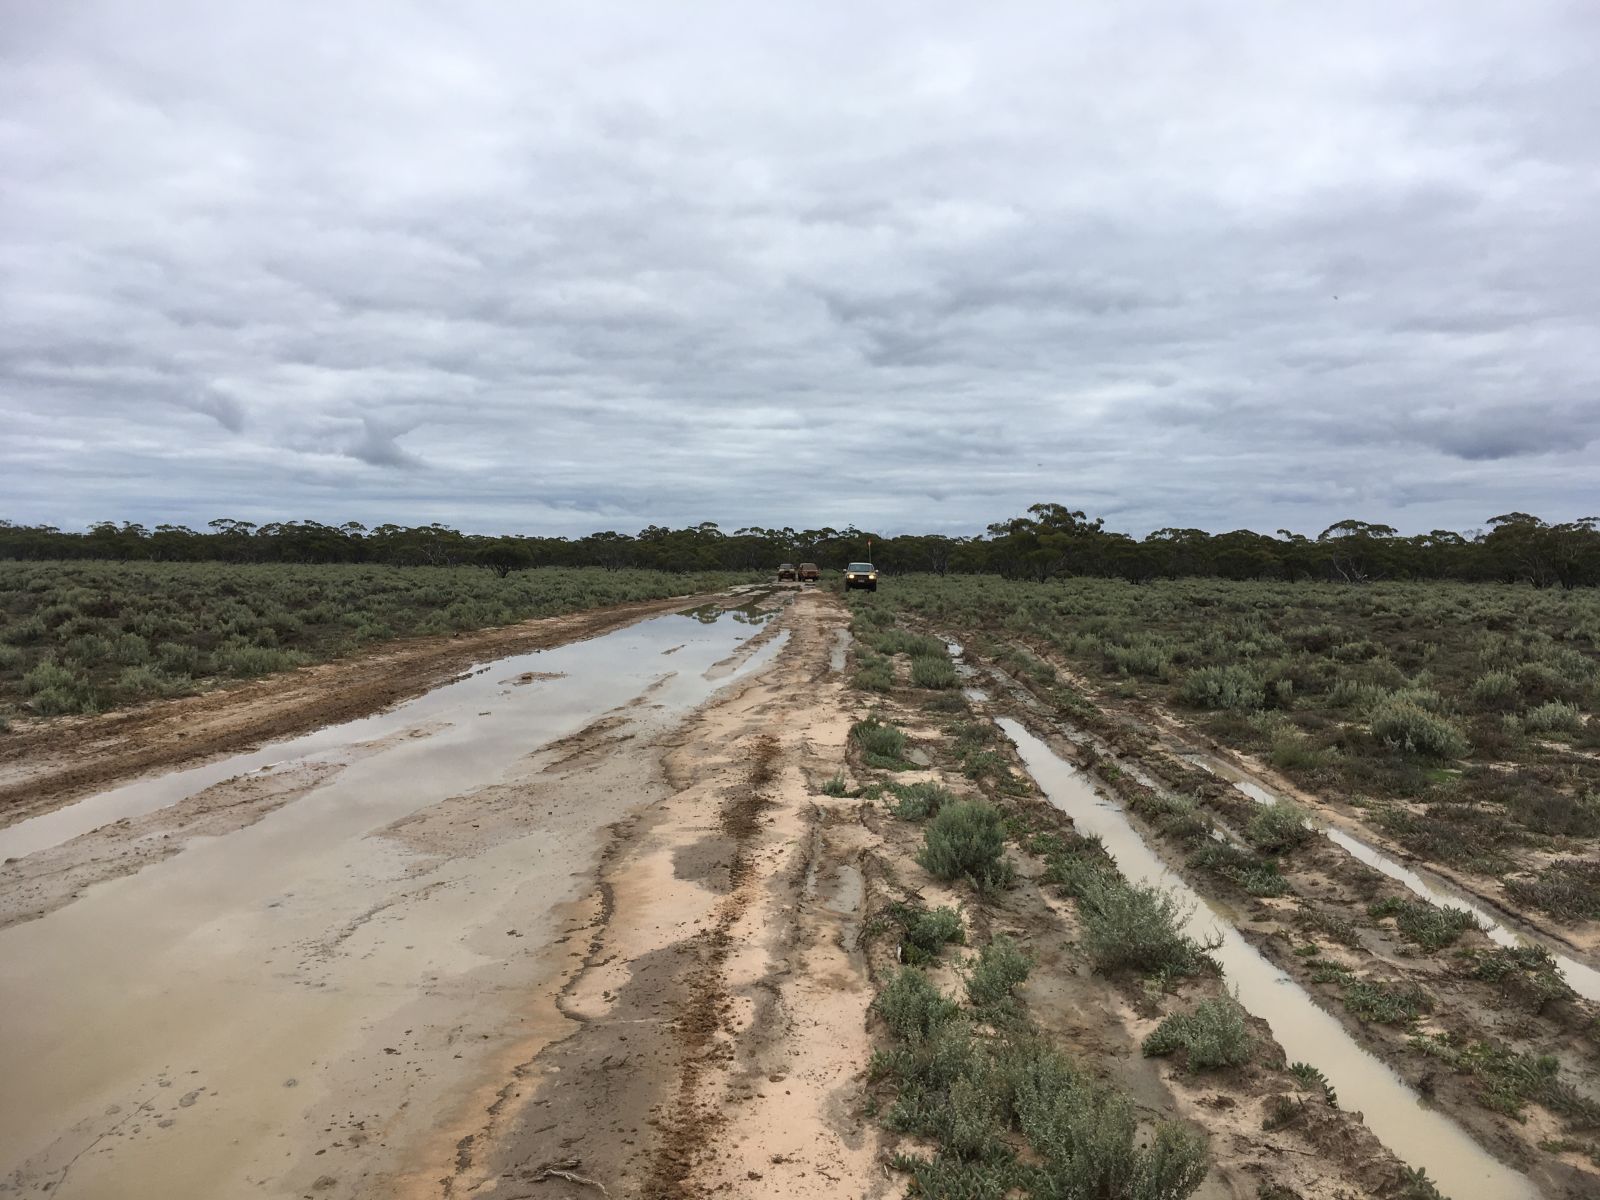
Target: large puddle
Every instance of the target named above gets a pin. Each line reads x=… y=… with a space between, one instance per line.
x=169 y=1032
x=1419 y=1135
x=1582 y=978
x=494 y=707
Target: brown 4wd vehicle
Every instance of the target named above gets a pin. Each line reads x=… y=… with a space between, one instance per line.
x=785 y=571
x=809 y=573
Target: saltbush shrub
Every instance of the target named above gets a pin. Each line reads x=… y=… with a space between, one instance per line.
x=995 y=972
x=1401 y=725
x=1495 y=691
x=1229 y=687
x=1278 y=827
x=928 y=671
x=1129 y=926
x=1554 y=716
x=966 y=840
x=1214 y=1035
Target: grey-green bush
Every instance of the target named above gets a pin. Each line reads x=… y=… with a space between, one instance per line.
x=995 y=972
x=1401 y=725
x=930 y=672
x=1229 y=687
x=913 y=1007
x=1213 y=1035
x=966 y=840
x=1132 y=926
x=1278 y=827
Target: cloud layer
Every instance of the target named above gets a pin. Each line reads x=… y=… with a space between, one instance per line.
x=562 y=267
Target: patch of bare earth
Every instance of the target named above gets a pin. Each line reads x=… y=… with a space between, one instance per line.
x=716 y=1027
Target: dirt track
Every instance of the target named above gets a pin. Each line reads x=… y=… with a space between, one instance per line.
x=584 y=920
x=58 y=760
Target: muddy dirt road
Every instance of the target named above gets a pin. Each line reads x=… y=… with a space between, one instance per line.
x=274 y=974
x=604 y=917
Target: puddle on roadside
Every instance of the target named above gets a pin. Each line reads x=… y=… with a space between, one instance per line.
x=579 y=680
x=274 y=951
x=1418 y=1135
x=841 y=647
x=849 y=889
x=1582 y=978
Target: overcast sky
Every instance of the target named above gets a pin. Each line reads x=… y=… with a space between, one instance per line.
x=563 y=267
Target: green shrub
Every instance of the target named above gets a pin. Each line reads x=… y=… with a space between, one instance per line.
x=928 y=931
x=874 y=677
x=918 y=801
x=1089 y=1141
x=928 y=672
x=1495 y=691
x=913 y=1008
x=1401 y=725
x=836 y=785
x=1313 y=1080
x=1278 y=827
x=243 y=661
x=917 y=645
x=1258 y=876
x=1429 y=926
x=881 y=745
x=1553 y=717
x=966 y=840
x=47 y=676
x=1527 y=974
x=1135 y=927
x=995 y=972
x=1214 y=1035
x=1568 y=888
x=1230 y=687
x=26 y=633
x=1292 y=751
x=1386 y=1003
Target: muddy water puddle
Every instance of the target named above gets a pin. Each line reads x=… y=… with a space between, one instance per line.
x=188 y=1030
x=1418 y=1135
x=1581 y=977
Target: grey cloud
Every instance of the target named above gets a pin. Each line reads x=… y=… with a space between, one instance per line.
x=546 y=271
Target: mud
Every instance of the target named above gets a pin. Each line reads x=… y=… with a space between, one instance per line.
x=287 y=1004
x=1418 y=1135
x=74 y=756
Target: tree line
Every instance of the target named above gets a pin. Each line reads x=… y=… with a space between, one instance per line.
x=1047 y=542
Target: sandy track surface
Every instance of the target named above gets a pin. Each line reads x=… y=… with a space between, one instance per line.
x=582 y=923
x=43 y=766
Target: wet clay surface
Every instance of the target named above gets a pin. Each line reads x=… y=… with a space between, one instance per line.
x=69 y=757
x=344 y=947
x=715 y=1032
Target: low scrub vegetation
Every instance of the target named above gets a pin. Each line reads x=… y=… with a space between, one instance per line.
x=1460 y=714
x=1427 y=925
x=87 y=636
x=881 y=745
x=966 y=840
x=1134 y=927
x=1216 y=1034
x=1278 y=827
x=1008 y=1114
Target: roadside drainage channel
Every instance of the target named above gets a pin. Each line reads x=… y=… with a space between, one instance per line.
x=1418 y=1135
x=571 y=685
x=1582 y=978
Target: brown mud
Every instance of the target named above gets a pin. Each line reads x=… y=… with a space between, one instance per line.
x=50 y=762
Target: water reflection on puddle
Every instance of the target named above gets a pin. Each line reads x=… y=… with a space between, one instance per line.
x=1418 y=1135
x=1582 y=978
